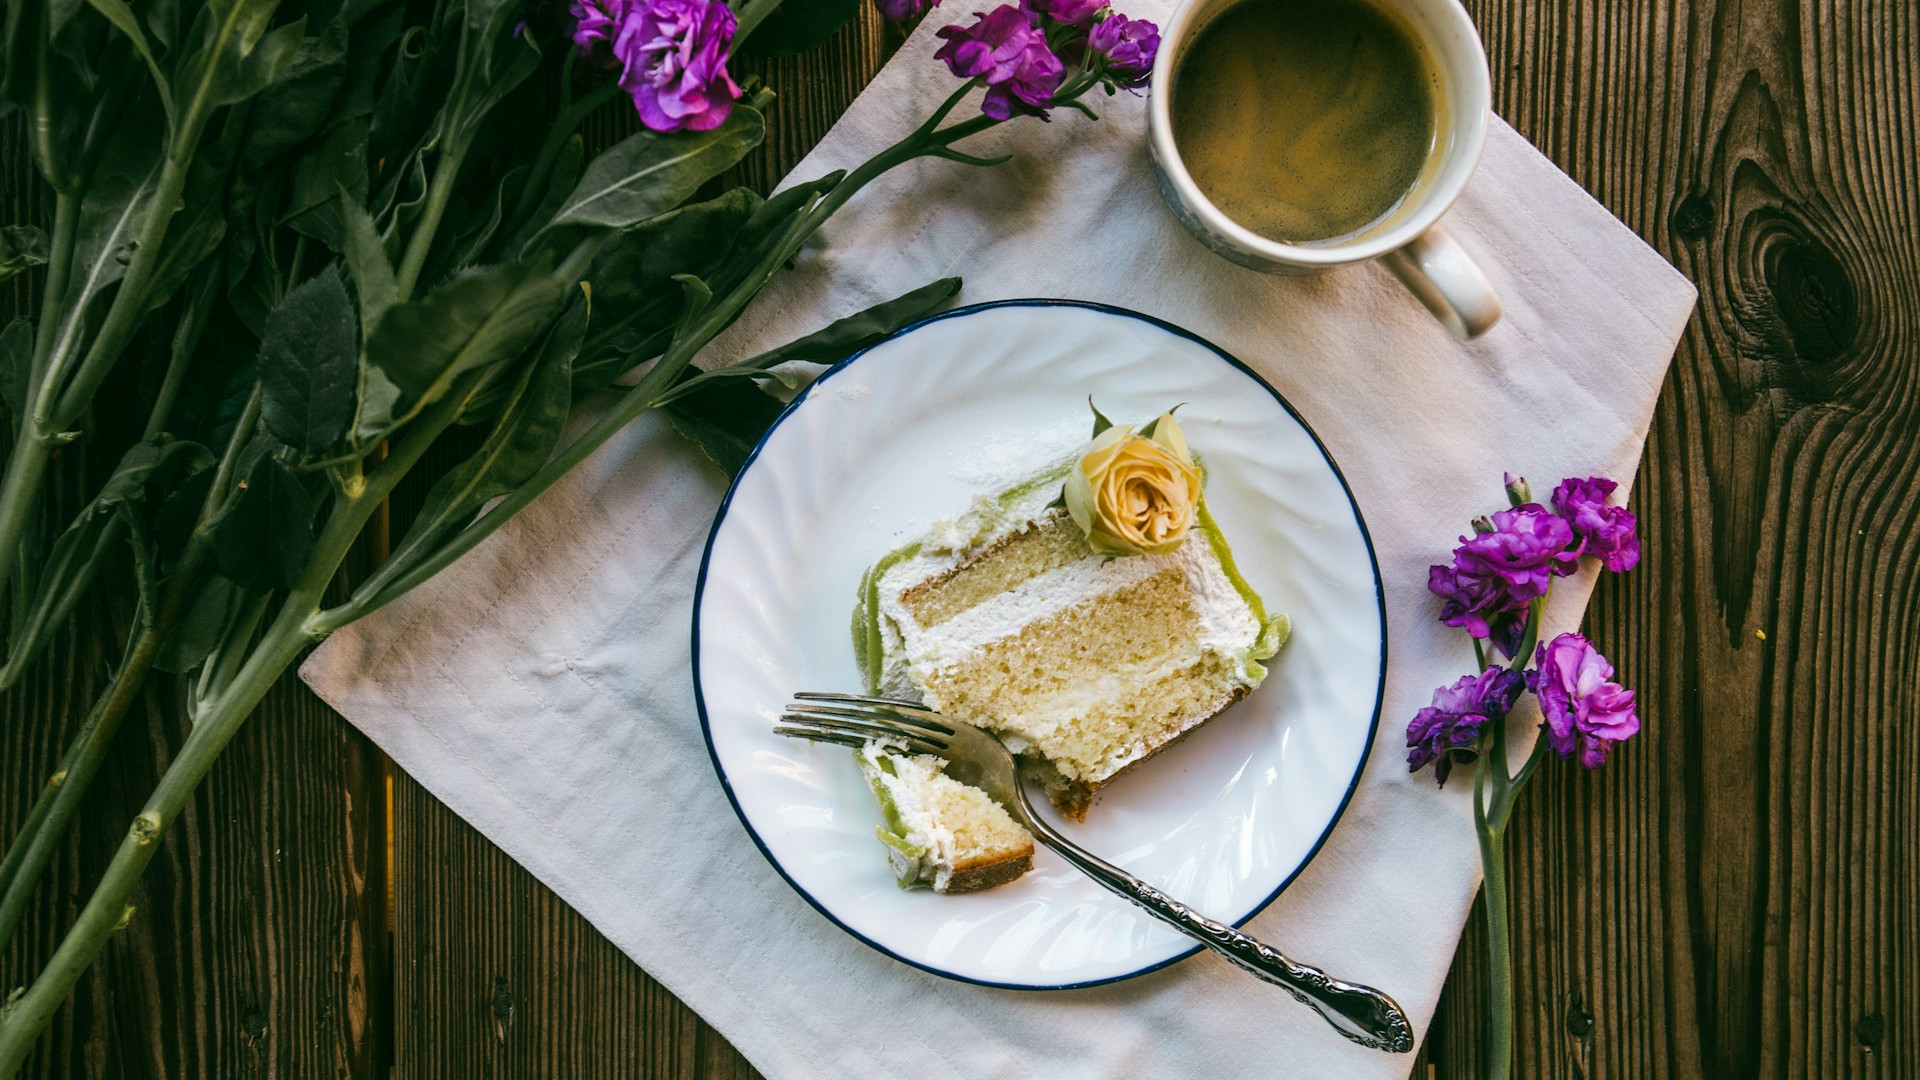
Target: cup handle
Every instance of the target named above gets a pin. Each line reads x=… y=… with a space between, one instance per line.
x=1438 y=271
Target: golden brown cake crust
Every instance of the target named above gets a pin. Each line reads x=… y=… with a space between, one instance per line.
x=978 y=876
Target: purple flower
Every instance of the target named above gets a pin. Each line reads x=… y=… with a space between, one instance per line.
x=674 y=56
x=903 y=10
x=1446 y=731
x=1069 y=12
x=1496 y=573
x=591 y=23
x=1004 y=49
x=1608 y=530
x=1128 y=45
x=1586 y=711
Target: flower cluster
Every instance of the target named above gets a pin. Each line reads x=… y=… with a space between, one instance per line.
x=1489 y=590
x=1037 y=54
x=672 y=56
x=1512 y=558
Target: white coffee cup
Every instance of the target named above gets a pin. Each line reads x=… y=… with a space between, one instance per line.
x=1411 y=243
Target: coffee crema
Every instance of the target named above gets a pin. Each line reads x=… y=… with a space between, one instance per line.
x=1306 y=121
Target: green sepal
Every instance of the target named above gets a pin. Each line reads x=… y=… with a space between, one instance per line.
x=1100 y=421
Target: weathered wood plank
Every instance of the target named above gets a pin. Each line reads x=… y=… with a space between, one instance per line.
x=1735 y=895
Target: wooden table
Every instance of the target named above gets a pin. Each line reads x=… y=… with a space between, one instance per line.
x=1734 y=897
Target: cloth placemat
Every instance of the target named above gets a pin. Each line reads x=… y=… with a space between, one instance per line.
x=542 y=689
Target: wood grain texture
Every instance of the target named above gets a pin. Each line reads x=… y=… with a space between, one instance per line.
x=258 y=947
x=1735 y=896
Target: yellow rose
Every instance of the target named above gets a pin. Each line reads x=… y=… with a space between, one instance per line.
x=1135 y=494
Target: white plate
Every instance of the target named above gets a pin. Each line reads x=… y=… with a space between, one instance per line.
x=907 y=433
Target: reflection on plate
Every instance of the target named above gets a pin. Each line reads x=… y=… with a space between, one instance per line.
x=908 y=433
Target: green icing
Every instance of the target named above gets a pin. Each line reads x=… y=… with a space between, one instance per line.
x=894 y=832
x=1275 y=630
x=869 y=648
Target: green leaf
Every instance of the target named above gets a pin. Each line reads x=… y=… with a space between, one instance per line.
x=477 y=318
x=480 y=229
x=797 y=26
x=262 y=542
x=338 y=162
x=638 y=266
x=727 y=420
x=216 y=603
x=309 y=358
x=124 y=20
x=112 y=212
x=297 y=106
x=847 y=336
x=567 y=166
x=16 y=365
x=22 y=247
x=523 y=436
x=367 y=262
x=633 y=280
x=648 y=174
x=77 y=556
x=236 y=59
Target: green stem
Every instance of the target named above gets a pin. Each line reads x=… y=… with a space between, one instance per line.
x=292 y=632
x=186 y=338
x=397 y=579
x=1499 y=1050
x=439 y=191
x=557 y=136
x=129 y=300
x=47 y=823
x=107 y=910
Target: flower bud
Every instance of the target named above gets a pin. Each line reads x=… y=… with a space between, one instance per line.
x=1518 y=493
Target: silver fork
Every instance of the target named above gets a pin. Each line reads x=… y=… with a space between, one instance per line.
x=976 y=757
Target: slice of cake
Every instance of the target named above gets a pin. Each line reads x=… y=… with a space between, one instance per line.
x=940 y=833
x=1019 y=618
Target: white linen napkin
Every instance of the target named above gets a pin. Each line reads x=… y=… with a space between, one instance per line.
x=541 y=687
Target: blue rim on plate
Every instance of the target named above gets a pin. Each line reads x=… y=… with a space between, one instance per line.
x=720 y=517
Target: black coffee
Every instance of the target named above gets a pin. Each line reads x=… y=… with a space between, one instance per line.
x=1305 y=120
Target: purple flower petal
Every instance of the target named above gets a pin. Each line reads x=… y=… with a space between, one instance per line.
x=1004 y=49
x=1609 y=532
x=1127 y=46
x=674 y=59
x=1586 y=711
x=1448 y=730
x=1502 y=571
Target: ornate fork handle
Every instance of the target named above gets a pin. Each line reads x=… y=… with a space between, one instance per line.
x=1361 y=1013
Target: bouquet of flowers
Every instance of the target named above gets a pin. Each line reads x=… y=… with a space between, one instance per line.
x=1495 y=589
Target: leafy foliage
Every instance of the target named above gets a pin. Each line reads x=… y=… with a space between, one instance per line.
x=308 y=362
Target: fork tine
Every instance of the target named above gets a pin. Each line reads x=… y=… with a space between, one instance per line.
x=814 y=735
x=918 y=741
x=894 y=705
x=886 y=714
